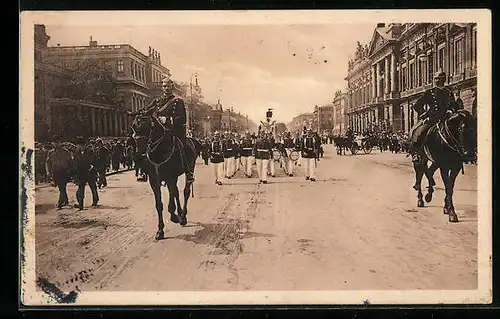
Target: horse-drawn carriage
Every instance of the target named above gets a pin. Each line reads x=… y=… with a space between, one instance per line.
x=366 y=144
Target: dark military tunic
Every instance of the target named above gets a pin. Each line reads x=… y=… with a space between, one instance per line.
x=246 y=147
x=173 y=109
x=216 y=152
x=262 y=149
x=309 y=147
x=438 y=101
x=229 y=148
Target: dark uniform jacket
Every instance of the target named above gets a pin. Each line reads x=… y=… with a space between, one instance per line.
x=84 y=159
x=438 y=101
x=262 y=149
x=216 y=152
x=309 y=146
x=229 y=148
x=246 y=147
x=171 y=107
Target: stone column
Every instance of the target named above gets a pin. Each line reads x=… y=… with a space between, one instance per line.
x=377 y=84
x=93 y=123
x=393 y=73
x=387 y=75
x=117 y=126
x=106 y=123
x=374 y=82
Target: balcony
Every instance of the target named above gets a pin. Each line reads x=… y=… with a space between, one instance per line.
x=457 y=78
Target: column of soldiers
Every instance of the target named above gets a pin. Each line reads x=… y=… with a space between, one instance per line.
x=227 y=152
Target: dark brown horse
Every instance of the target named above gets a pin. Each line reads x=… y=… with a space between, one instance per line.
x=162 y=159
x=441 y=147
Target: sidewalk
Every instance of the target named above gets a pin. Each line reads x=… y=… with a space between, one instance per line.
x=110 y=173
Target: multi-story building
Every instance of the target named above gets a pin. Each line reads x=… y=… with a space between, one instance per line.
x=63 y=117
x=298 y=122
x=387 y=77
x=340 y=120
x=324 y=118
x=138 y=76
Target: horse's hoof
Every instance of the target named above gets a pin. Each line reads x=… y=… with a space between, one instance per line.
x=453 y=218
x=160 y=235
x=174 y=218
x=428 y=197
x=420 y=203
x=183 y=221
x=446 y=211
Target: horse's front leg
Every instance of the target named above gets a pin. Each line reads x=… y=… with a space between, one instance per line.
x=156 y=187
x=449 y=176
x=420 y=167
x=171 y=202
x=430 y=178
x=187 y=194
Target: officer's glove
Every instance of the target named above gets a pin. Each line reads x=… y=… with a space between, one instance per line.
x=449 y=112
x=426 y=120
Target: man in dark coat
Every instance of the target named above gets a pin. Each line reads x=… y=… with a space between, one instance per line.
x=85 y=173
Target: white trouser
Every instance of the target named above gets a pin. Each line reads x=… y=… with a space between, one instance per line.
x=237 y=164
x=229 y=163
x=218 y=171
x=289 y=163
x=262 y=168
x=247 y=164
x=309 y=167
x=272 y=166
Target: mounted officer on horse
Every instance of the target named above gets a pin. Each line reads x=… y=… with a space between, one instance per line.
x=437 y=104
x=171 y=112
x=446 y=136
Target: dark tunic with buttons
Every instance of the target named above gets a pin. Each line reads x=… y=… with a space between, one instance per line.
x=438 y=101
x=309 y=147
x=216 y=152
x=246 y=147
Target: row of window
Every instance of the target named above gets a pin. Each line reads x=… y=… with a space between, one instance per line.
x=138 y=102
x=138 y=71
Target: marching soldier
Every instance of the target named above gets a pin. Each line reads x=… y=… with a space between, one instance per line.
x=262 y=151
x=272 y=164
x=309 y=153
x=288 y=143
x=237 y=155
x=85 y=173
x=216 y=151
x=205 y=150
x=441 y=104
x=171 y=112
x=246 y=154
x=229 y=145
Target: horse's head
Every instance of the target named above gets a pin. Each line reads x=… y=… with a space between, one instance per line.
x=145 y=129
x=463 y=128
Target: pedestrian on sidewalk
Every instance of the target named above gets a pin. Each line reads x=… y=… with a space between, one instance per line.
x=86 y=173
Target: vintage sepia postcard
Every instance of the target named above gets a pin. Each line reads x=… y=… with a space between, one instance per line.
x=255 y=157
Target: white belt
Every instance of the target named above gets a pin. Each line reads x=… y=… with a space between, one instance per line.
x=247 y=148
x=229 y=149
x=262 y=150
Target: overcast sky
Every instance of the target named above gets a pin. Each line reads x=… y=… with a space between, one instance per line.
x=252 y=68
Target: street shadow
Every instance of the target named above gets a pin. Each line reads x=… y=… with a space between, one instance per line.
x=225 y=237
x=118 y=187
x=457 y=189
x=112 y=207
x=43 y=208
x=81 y=223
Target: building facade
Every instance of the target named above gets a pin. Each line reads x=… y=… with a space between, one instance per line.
x=138 y=76
x=390 y=74
x=298 y=122
x=340 y=119
x=66 y=118
x=324 y=118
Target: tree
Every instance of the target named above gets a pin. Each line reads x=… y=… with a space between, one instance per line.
x=191 y=93
x=91 y=80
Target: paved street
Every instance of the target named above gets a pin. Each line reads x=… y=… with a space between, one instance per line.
x=356 y=227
